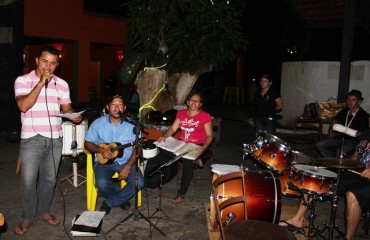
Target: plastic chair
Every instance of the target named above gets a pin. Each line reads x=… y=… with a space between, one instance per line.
x=91 y=190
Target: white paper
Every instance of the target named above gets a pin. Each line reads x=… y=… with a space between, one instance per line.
x=69 y=115
x=178 y=147
x=171 y=144
x=90 y=218
x=222 y=169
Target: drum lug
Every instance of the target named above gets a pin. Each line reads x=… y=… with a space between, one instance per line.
x=272 y=155
x=302 y=179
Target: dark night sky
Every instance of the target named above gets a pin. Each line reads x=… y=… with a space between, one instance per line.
x=271 y=28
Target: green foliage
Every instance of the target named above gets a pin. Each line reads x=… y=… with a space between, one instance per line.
x=197 y=33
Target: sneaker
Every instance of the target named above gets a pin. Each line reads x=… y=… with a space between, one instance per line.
x=125 y=206
x=105 y=208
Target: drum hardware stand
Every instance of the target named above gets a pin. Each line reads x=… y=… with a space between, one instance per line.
x=136 y=214
x=331 y=226
x=310 y=203
x=73 y=178
x=247 y=150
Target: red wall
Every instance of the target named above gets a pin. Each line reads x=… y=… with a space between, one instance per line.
x=67 y=20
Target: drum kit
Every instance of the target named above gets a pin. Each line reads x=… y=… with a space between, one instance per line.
x=286 y=172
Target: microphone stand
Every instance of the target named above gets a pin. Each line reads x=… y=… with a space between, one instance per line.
x=136 y=214
x=341 y=149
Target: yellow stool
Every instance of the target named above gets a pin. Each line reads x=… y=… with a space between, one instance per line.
x=91 y=190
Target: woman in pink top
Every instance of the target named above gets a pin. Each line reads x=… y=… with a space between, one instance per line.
x=196 y=127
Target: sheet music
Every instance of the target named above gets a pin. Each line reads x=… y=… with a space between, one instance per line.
x=90 y=218
x=69 y=115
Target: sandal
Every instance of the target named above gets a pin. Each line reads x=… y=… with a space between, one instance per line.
x=50 y=219
x=291 y=227
x=178 y=199
x=22 y=227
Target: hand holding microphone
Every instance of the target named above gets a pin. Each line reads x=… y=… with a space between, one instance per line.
x=47 y=76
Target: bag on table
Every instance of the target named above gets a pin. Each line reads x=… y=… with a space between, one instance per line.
x=328 y=110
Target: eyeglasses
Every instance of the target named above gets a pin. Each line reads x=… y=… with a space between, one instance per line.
x=196 y=101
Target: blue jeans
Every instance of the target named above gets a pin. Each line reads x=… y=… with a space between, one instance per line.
x=40 y=158
x=325 y=147
x=114 y=196
x=268 y=124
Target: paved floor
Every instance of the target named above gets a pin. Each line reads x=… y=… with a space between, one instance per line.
x=186 y=220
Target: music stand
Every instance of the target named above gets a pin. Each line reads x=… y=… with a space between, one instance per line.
x=136 y=214
x=159 y=209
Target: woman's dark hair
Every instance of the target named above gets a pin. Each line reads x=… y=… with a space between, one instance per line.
x=268 y=77
x=192 y=93
x=50 y=49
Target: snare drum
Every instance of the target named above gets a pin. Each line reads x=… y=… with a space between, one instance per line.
x=263 y=195
x=272 y=152
x=150 y=152
x=312 y=180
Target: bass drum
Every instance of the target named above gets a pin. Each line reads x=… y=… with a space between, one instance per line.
x=263 y=195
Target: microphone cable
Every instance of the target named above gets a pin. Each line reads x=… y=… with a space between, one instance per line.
x=55 y=169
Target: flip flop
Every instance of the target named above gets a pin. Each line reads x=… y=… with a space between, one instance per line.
x=178 y=199
x=22 y=227
x=291 y=227
x=50 y=219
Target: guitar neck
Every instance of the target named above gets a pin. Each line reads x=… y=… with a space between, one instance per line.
x=123 y=146
x=112 y=149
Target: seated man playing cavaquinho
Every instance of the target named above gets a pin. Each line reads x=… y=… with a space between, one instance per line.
x=350 y=122
x=108 y=129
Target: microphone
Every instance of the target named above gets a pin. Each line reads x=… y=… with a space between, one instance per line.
x=46 y=83
x=121 y=114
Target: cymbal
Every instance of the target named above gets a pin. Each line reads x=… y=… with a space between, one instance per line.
x=340 y=163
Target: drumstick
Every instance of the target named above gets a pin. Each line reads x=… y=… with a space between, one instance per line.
x=354 y=171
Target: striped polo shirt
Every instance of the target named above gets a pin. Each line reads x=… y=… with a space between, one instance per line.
x=41 y=117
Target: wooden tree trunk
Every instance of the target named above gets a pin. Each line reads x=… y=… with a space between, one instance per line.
x=184 y=86
x=150 y=82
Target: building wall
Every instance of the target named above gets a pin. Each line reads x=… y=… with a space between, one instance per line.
x=306 y=82
x=67 y=20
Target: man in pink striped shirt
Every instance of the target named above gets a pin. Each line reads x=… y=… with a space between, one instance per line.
x=40 y=95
